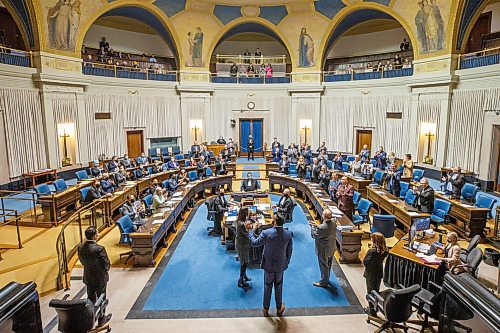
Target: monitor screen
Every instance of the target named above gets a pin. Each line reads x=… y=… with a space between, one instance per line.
x=422 y=223
x=252 y=208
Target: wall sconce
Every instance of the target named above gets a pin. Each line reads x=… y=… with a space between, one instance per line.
x=65 y=131
x=429 y=131
x=196 y=125
x=305 y=124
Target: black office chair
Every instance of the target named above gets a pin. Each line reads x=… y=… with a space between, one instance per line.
x=428 y=305
x=80 y=316
x=471 y=266
x=472 y=245
x=395 y=305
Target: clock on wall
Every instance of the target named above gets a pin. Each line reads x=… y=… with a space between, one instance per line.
x=251 y=105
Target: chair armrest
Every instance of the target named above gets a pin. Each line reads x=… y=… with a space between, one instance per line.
x=99 y=300
x=435 y=286
x=426 y=301
x=65 y=297
x=466 y=267
x=377 y=296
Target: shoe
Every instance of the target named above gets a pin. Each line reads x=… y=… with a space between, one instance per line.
x=318 y=284
x=279 y=312
x=242 y=283
x=265 y=312
x=104 y=320
x=246 y=278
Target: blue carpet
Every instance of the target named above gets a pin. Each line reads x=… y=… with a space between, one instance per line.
x=249 y=167
x=258 y=160
x=202 y=275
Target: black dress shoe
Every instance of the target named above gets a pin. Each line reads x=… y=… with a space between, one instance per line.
x=246 y=278
x=104 y=320
x=242 y=283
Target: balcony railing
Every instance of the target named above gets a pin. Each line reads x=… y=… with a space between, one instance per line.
x=340 y=77
x=108 y=70
x=481 y=58
x=15 y=57
x=241 y=59
x=254 y=79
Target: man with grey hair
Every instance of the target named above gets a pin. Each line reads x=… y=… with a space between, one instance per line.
x=425 y=196
x=324 y=236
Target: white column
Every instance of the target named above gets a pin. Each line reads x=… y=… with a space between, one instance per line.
x=82 y=153
x=50 y=130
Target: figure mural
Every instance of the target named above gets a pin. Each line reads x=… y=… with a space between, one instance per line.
x=306 y=49
x=63 y=20
x=195 y=52
x=430 y=26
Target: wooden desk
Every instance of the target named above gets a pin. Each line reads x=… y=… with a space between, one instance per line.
x=231 y=168
x=216 y=148
x=58 y=205
x=446 y=170
x=359 y=184
x=385 y=201
x=33 y=175
x=119 y=198
x=271 y=167
x=349 y=241
x=153 y=233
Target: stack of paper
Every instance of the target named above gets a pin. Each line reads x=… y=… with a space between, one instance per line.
x=158 y=215
x=157 y=222
x=432 y=259
x=231 y=218
x=345 y=227
x=393 y=200
x=177 y=194
x=413 y=213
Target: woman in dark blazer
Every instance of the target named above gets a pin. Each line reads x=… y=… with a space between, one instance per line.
x=374 y=265
x=243 y=246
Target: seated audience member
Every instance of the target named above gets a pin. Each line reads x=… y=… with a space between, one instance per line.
x=120 y=176
x=322 y=147
x=322 y=157
x=381 y=158
x=337 y=161
x=393 y=180
x=126 y=162
x=195 y=149
x=356 y=166
x=405 y=45
x=153 y=59
x=269 y=71
x=276 y=152
x=374 y=265
x=249 y=184
x=95 y=170
x=333 y=186
x=221 y=140
x=220 y=165
x=250 y=70
x=315 y=170
x=454 y=182
x=156 y=167
x=233 y=70
x=452 y=253
x=134 y=208
x=398 y=64
x=364 y=154
x=107 y=183
x=192 y=161
x=153 y=186
x=283 y=165
x=88 y=61
x=182 y=178
x=301 y=167
x=369 y=67
x=425 y=196
x=142 y=172
x=143 y=159
x=391 y=158
x=407 y=63
x=173 y=164
x=159 y=199
x=345 y=192
x=324 y=178
x=262 y=70
x=380 y=66
x=171 y=185
x=95 y=192
x=131 y=175
x=292 y=153
x=225 y=153
x=407 y=166
x=388 y=66
x=201 y=167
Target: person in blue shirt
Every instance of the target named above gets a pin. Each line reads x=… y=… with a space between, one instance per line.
x=113 y=164
x=143 y=159
x=337 y=161
x=381 y=158
x=171 y=184
x=393 y=180
x=107 y=184
x=365 y=154
x=333 y=186
x=277 y=152
x=173 y=164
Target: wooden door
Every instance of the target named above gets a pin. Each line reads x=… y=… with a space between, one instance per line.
x=480 y=28
x=135 y=143
x=363 y=137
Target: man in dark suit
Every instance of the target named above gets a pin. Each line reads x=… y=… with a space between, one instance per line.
x=249 y=184
x=95 y=192
x=113 y=164
x=220 y=164
x=220 y=207
x=96 y=265
x=108 y=183
x=425 y=196
x=126 y=162
x=454 y=183
x=315 y=170
x=345 y=192
x=275 y=141
x=283 y=164
x=172 y=164
x=285 y=204
x=195 y=149
x=393 y=180
x=278 y=246
x=201 y=166
x=381 y=158
x=171 y=185
x=251 y=147
x=324 y=236
x=277 y=152
x=143 y=159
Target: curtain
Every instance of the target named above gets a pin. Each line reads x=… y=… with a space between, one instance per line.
x=65 y=111
x=428 y=111
x=341 y=115
x=466 y=125
x=24 y=131
x=158 y=116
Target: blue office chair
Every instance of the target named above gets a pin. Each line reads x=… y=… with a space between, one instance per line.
x=404 y=188
x=329 y=164
x=60 y=185
x=153 y=154
x=378 y=177
x=150 y=170
x=410 y=198
x=164 y=167
x=441 y=211
x=401 y=168
x=209 y=172
x=164 y=154
x=363 y=209
x=469 y=192
x=385 y=224
x=373 y=162
x=345 y=166
x=83 y=194
x=176 y=150
x=292 y=169
x=164 y=183
x=193 y=175
x=138 y=173
x=350 y=158
x=81 y=175
x=186 y=163
x=355 y=199
x=126 y=227
x=211 y=154
x=179 y=157
x=148 y=201
x=484 y=201
x=41 y=190
x=418 y=174
x=308 y=174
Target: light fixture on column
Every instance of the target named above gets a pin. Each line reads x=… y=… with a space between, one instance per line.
x=65 y=132
x=196 y=125
x=305 y=124
x=429 y=131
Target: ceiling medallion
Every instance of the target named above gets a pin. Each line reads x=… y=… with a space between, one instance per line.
x=251 y=11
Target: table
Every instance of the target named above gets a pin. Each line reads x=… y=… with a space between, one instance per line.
x=385 y=201
x=119 y=197
x=349 y=241
x=33 y=175
x=154 y=232
x=216 y=148
x=271 y=167
x=446 y=170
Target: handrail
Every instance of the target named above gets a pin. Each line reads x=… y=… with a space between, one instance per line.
x=352 y=73
x=119 y=68
x=18 y=53
x=265 y=79
x=11 y=213
x=281 y=58
x=477 y=54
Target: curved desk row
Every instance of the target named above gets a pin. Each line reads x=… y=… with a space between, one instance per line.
x=154 y=232
x=348 y=236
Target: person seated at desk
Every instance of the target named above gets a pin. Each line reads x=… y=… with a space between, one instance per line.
x=205 y=153
x=221 y=140
x=192 y=162
x=195 y=149
x=374 y=265
x=201 y=167
x=182 y=178
x=95 y=170
x=333 y=186
x=133 y=208
x=301 y=167
x=143 y=159
x=393 y=180
x=364 y=154
x=283 y=165
x=173 y=164
x=337 y=161
x=153 y=186
x=159 y=199
x=307 y=153
x=454 y=183
x=407 y=166
x=249 y=184
x=113 y=164
x=230 y=147
x=220 y=165
x=322 y=157
x=322 y=147
x=451 y=253
x=220 y=206
x=156 y=167
x=315 y=170
x=425 y=196
x=366 y=170
x=356 y=166
x=171 y=185
x=225 y=153
x=285 y=204
x=108 y=183
x=143 y=172
x=345 y=192
x=292 y=153
x=120 y=176
x=381 y=158
x=131 y=175
x=95 y=192
x=276 y=153
x=126 y=162
x=324 y=178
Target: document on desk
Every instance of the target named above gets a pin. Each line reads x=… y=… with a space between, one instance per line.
x=157 y=222
x=345 y=227
x=177 y=194
x=380 y=192
x=467 y=206
x=432 y=259
x=158 y=215
x=393 y=200
x=413 y=213
x=263 y=207
x=119 y=192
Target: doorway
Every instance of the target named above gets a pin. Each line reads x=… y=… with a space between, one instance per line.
x=363 y=137
x=253 y=127
x=135 y=143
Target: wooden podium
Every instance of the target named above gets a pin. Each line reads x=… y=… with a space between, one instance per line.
x=216 y=148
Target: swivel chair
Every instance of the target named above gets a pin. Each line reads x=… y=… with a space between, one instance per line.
x=471 y=266
x=440 y=213
x=410 y=198
x=404 y=188
x=363 y=209
x=483 y=201
x=469 y=192
x=378 y=177
x=385 y=224
x=292 y=169
x=428 y=305
x=126 y=227
x=60 y=185
x=210 y=212
x=472 y=245
x=81 y=175
x=355 y=199
x=153 y=154
x=417 y=175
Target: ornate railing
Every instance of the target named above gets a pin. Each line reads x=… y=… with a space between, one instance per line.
x=15 y=57
x=481 y=58
x=124 y=72
x=373 y=75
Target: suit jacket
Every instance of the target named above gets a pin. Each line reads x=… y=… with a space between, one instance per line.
x=393 y=182
x=324 y=180
x=325 y=237
x=172 y=185
x=425 y=200
x=250 y=144
x=242 y=242
x=93 y=194
x=278 y=247
x=374 y=264
x=284 y=166
x=120 y=178
x=206 y=154
x=172 y=165
x=292 y=154
x=285 y=205
x=345 y=197
x=220 y=205
x=277 y=154
x=456 y=185
x=127 y=163
x=95 y=171
x=112 y=166
x=365 y=155
x=381 y=160
x=201 y=169
x=95 y=263
x=107 y=186
x=253 y=186
x=307 y=156
x=142 y=160
x=315 y=170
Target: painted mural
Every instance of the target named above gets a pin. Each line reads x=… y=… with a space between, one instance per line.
x=63 y=20
x=195 y=48
x=430 y=26
x=306 y=49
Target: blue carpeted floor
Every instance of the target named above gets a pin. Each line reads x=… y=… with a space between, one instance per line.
x=202 y=275
x=257 y=160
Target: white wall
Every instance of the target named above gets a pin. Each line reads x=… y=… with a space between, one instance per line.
x=133 y=42
x=371 y=43
x=495 y=16
x=235 y=47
